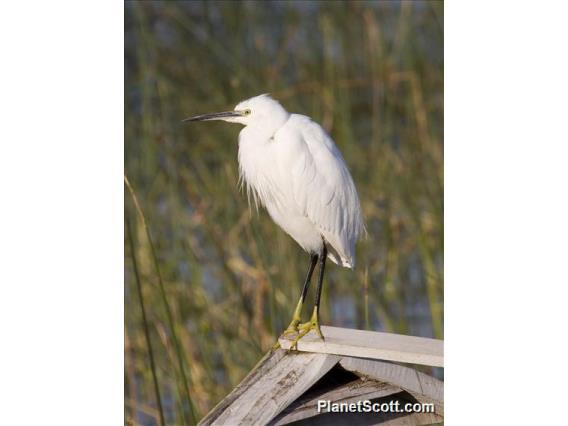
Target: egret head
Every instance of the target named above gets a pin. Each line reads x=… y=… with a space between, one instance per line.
x=260 y=110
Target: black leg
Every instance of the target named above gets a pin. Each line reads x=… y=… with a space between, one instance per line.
x=313 y=261
x=322 y=259
x=293 y=327
x=313 y=324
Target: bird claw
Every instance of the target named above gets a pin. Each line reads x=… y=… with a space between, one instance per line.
x=305 y=328
x=292 y=328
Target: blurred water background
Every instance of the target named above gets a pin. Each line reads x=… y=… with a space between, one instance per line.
x=219 y=282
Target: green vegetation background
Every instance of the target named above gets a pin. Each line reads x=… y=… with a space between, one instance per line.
x=219 y=281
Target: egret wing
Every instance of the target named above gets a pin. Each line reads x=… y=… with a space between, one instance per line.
x=325 y=192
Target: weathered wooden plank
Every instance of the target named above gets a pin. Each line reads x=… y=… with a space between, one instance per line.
x=372 y=344
x=275 y=390
x=266 y=363
x=351 y=392
x=279 y=380
x=423 y=387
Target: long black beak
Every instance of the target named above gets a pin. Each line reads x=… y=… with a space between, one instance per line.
x=214 y=116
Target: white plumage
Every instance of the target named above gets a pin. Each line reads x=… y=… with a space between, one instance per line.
x=291 y=166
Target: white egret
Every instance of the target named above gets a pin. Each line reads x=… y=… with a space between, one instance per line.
x=292 y=167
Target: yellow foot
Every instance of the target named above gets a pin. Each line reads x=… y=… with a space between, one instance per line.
x=292 y=329
x=305 y=328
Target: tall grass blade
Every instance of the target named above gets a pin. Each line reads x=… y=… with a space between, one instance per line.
x=145 y=322
x=171 y=325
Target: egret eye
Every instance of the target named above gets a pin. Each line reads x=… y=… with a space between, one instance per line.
x=247 y=111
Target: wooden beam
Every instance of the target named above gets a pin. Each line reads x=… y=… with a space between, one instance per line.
x=372 y=344
x=351 y=392
x=276 y=382
x=285 y=385
x=261 y=368
x=423 y=387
